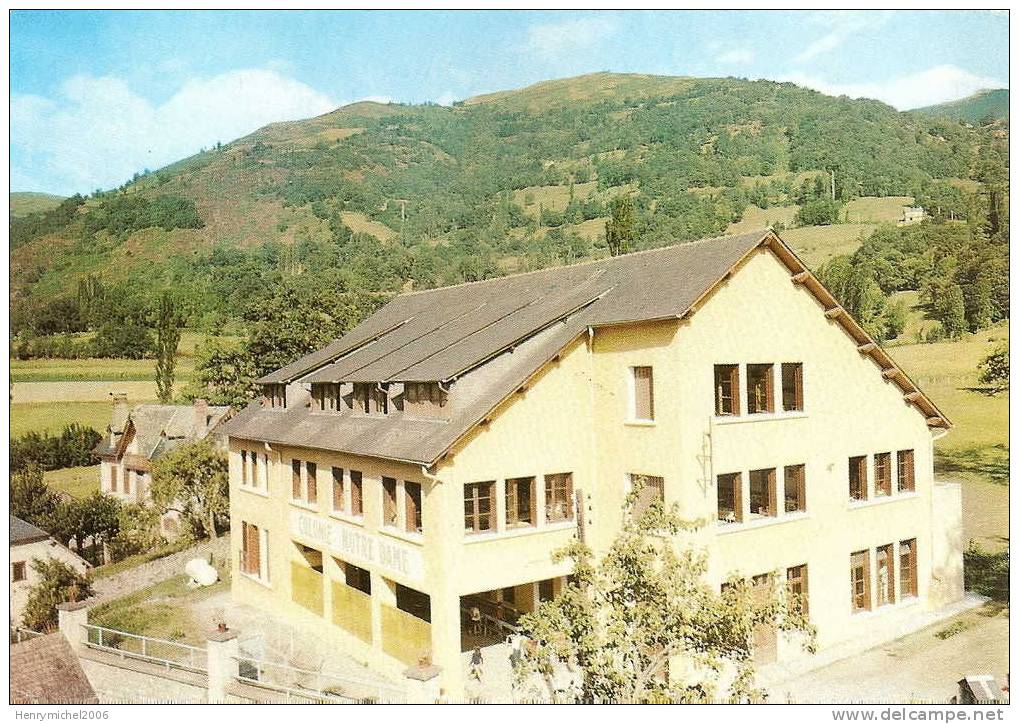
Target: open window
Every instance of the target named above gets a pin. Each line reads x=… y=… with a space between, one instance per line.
x=726 y=390
x=858 y=477
x=885 y=559
x=356 y=577
x=859 y=572
x=558 y=497
x=356 y=493
x=792 y=386
x=519 y=503
x=906 y=474
x=388 y=501
x=252 y=553
x=763 y=498
x=339 y=491
x=907 y=568
x=795 y=483
x=412 y=506
x=760 y=389
x=730 y=498
x=883 y=474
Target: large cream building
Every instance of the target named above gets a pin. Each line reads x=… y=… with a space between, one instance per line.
x=430 y=461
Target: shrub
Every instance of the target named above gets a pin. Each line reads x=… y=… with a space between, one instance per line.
x=58 y=583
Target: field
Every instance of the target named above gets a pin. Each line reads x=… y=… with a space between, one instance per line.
x=53 y=416
x=91 y=370
x=76 y=482
x=976 y=451
x=24 y=203
x=359 y=223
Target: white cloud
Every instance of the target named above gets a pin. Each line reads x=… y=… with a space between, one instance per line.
x=935 y=85
x=838 y=27
x=735 y=57
x=555 y=41
x=447 y=99
x=97 y=132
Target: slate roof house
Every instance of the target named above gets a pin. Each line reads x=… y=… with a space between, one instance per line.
x=27 y=543
x=137 y=437
x=431 y=460
x=45 y=670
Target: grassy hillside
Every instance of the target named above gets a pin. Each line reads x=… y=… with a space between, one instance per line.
x=981 y=107
x=383 y=197
x=24 y=203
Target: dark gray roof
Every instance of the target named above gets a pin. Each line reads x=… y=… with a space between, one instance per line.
x=24 y=532
x=159 y=428
x=45 y=670
x=490 y=336
x=438 y=334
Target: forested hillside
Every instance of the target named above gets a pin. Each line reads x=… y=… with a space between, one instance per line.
x=982 y=107
x=371 y=199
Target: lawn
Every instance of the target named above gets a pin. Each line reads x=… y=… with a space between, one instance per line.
x=161 y=611
x=359 y=223
x=89 y=370
x=53 y=416
x=76 y=482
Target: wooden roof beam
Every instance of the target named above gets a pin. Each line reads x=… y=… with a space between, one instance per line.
x=912 y=396
x=889 y=373
x=801 y=277
x=935 y=422
x=834 y=312
x=866 y=348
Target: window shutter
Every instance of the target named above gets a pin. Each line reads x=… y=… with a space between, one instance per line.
x=312 y=482
x=643 y=393
x=295 y=466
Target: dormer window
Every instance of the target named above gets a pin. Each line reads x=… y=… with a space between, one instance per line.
x=327 y=397
x=276 y=395
x=424 y=399
x=371 y=398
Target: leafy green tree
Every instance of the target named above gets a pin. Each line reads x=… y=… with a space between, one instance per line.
x=31 y=499
x=123 y=338
x=896 y=317
x=193 y=480
x=224 y=374
x=58 y=583
x=168 y=330
x=953 y=312
x=819 y=212
x=994 y=369
x=619 y=230
x=624 y=615
x=854 y=286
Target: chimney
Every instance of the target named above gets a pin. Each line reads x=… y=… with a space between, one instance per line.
x=201 y=416
x=118 y=417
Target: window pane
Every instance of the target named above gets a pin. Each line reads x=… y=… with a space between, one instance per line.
x=885 y=576
x=519 y=502
x=906 y=476
x=726 y=389
x=796 y=579
x=295 y=466
x=792 y=386
x=858 y=478
x=412 y=504
x=883 y=474
x=312 y=482
x=759 y=389
x=860 y=580
x=730 y=497
x=651 y=487
x=762 y=493
x=795 y=488
x=388 y=501
x=643 y=394
x=558 y=497
x=907 y=568
x=338 y=492
x=356 y=498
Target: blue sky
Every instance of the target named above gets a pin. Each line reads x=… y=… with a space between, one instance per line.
x=97 y=96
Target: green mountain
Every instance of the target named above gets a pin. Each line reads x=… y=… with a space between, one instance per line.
x=983 y=107
x=24 y=203
x=377 y=198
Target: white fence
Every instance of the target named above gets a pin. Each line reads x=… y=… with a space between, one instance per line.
x=170 y=654
x=304 y=684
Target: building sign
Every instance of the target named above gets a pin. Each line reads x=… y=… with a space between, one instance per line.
x=358 y=547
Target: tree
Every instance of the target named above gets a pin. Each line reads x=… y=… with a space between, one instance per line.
x=31 y=499
x=953 y=312
x=819 y=212
x=224 y=374
x=626 y=614
x=168 y=328
x=854 y=286
x=193 y=480
x=994 y=369
x=619 y=229
x=58 y=583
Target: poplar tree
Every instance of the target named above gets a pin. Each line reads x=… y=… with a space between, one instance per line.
x=168 y=330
